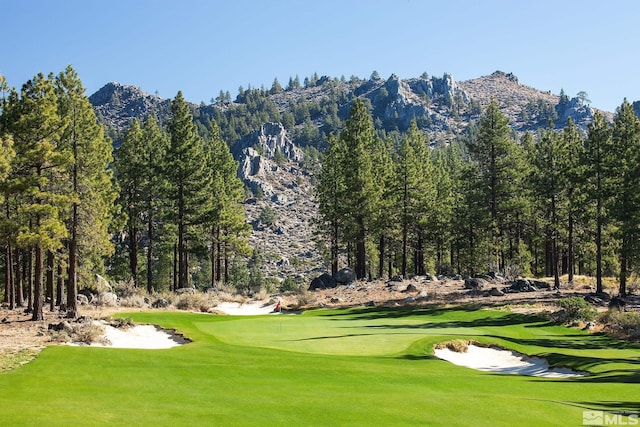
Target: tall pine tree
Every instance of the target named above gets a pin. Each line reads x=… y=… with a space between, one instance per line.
x=92 y=188
x=625 y=208
x=189 y=182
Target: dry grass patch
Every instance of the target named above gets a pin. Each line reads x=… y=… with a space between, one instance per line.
x=11 y=358
x=459 y=346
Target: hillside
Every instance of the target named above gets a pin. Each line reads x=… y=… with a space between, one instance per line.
x=259 y=123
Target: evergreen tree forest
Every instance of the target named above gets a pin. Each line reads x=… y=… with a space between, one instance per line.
x=547 y=204
x=162 y=211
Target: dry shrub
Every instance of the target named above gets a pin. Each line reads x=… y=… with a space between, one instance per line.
x=197 y=301
x=121 y=323
x=134 y=300
x=88 y=333
x=459 y=346
x=126 y=289
x=623 y=324
x=305 y=298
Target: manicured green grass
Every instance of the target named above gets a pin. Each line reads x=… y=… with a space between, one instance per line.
x=353 y=367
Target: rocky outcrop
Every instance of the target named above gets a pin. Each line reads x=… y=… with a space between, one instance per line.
x=575 y=109
x=267 y=141
x=257 y=154
x=116 y=105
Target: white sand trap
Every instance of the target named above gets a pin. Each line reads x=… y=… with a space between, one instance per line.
x=247 y=309
x=139 y=336
x=493 y=359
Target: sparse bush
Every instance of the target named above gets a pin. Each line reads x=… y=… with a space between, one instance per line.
x=621 y=323
x=289 y=285
x=121 y=323
x=87 y=333
x=305 y=298
x=513 y=271
x=459 y=346
x=197 y=301
x=134 y=301
x=575 y=309
x=126 y=289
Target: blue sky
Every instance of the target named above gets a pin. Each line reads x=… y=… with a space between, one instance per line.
x=202 y=47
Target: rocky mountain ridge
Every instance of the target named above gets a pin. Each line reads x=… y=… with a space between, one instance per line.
x=271 y=161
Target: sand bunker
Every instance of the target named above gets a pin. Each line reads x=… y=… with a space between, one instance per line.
x=139 y=336
x=247 y=309
x=494 y=359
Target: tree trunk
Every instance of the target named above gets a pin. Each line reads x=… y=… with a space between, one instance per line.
x=334 y=248
x=9 y=282
x=60 y=285
x=18 y=278
x=213 y=257
x=570 y=251
x=30 y=280
x=218 y=257
x=181 y=257
x=175 y=267
x=37 y=290
x=50 y=278
x=72 y=281
x=361 y=251
x=623 y=267
x=133 y=254
x=381 y=256
x=554 y=247
x=420 y=254
x=599 y=287
x=226 y=265
x=150 y=256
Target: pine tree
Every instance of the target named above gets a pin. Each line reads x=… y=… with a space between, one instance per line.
x=442 y=211
x=383 y=216
x=6 y=158
x=330 y=194
x=92 y=188
x=358 y=140
x=625 y=208
x=415 y=193
x=596 y=177
x=154 y=146
x=574 y=191
x=130 y=165
x=188 y=179
x=36 y=126
x=494 y=154
x=227 y=223
x=549 y=181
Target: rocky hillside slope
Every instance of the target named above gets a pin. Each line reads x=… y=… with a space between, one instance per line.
x=272 y=165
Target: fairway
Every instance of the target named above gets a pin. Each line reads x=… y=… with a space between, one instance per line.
x=351 y=367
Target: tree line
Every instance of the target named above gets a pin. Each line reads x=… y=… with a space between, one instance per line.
x=546 y=204
x=69 y=206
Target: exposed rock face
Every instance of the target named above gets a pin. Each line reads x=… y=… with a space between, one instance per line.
x=287 y=244
x=258 y=170
x=270 y=138
x=116 y=104
x=575 y=109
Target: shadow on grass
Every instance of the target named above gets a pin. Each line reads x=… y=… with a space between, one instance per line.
x=617 y=406
x=373 y=313
x=573 y=341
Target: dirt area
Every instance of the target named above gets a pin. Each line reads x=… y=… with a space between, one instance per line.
x=21 y=339
x=421 y=291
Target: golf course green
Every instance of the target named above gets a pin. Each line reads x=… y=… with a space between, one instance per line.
x=362 y=366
